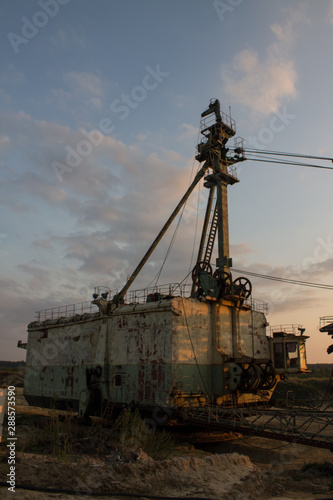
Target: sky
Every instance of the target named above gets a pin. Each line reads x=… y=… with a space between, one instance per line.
x=100 y=107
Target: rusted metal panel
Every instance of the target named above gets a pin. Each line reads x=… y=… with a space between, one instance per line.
x=143 y=353
x=251 y=334
x=191 y=332
x=132 y=347
x=208 y=328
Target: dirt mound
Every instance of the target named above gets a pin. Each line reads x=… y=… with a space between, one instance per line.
x=228 y=476
x=211 y=476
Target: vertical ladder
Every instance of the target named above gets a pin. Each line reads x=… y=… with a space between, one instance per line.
x=211 y=235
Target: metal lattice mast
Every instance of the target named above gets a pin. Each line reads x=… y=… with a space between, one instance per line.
x=213 y=151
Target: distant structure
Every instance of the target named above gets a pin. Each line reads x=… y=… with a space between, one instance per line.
x=326 y=323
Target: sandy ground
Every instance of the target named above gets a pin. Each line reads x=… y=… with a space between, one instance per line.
x=244 y=468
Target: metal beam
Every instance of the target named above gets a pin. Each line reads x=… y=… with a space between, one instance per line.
x=308 y=427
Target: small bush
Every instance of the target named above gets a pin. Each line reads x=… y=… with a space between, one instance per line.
x=135 y=432
x=52 y=435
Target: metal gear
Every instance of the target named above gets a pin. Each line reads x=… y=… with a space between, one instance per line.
x=243 y=287
x=201 y=266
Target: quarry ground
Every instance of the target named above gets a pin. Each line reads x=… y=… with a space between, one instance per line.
x=241 y=468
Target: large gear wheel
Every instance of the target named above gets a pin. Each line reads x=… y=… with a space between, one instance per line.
x=200 y=266
x=269 y=378
x=251 y=378
x=243 y=287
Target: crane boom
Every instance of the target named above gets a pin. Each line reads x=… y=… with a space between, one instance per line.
x=120 y=296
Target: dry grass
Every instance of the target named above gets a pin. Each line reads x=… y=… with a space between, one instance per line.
x=135 y=432
x=313 y=389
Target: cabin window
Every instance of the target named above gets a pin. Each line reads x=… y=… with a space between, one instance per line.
x=286 y=355
x=278 y=355
x=292 y=355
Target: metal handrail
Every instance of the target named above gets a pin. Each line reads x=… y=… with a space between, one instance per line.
x=288 y=328
x=140 y=296
x=66 y=311
x=325 y=320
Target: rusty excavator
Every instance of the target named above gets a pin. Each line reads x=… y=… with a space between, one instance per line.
x=206 y=347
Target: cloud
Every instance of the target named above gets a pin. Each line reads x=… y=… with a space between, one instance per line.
x=84 y=83
x=27 y=297
x=5 y=97
x=287 y=31
x=285 y=297
x=264 y=83
x=42 y=243
x=241 y=249
x=183 y=101
x=329 y=17
x=59 y=98
x=187 y=131
x=65 y=38
x=96 y=101
x=12 y=76
x=80 y=87
x=260 y=85
x=4 y=141
x=38 y=278
x=114 y=202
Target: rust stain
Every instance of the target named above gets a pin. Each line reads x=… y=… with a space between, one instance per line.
x=122 y=322
x=153 y=372
x=141 y=380
x=69 y=380
x=45 y=334
x=140 y=348
x=148 y=389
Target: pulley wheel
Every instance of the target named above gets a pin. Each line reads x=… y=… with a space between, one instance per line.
x=245 y=287
x=201 y=266
x=269 y=379
x=251 y=378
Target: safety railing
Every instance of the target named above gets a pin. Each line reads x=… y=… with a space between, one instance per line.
x=257 y=305
x=287 y=329
x=66 y=311
x=141 y=296
x=325 y=320
x=153 y=294
x=209 y=120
